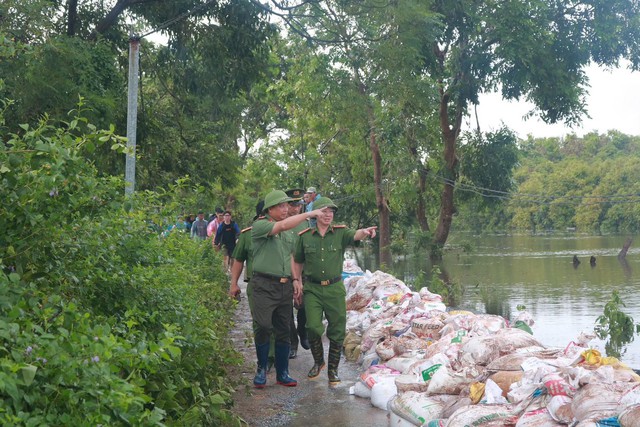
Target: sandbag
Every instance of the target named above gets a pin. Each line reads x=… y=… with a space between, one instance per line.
x=405 y=383
x=504 y=379
x=482 y=350
x=629 y=398
x=396 y=420
x=427 y=328
x=415 y=407
x=482 y=416
x=426 y=295
x=514 y=361
x=597 y=401
x=387 y=349
x=539 y=418
x=376 y=374
x=351 y=346
x=360 y=298
x=485 y=324
x=445 y=381
x=382 y=392
x=453 y=405
x=360 y=389
x=630 y=417
x=557 y=385
x=559 y=408
x=403 y=364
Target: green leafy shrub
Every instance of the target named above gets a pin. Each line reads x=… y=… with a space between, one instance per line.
x=616 y=326
x=103 y=320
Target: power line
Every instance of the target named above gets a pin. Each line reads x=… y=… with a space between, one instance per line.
x=540 y=199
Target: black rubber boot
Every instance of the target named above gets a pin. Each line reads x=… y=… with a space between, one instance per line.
x=302 y=327
x=293 y=337
x=317 y=350
x=282 y=366
x=335 y=351
x=262 y=352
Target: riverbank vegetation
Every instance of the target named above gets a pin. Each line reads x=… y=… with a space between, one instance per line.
x=586 y=184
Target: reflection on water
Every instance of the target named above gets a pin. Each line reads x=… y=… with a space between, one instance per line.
x=537 y=272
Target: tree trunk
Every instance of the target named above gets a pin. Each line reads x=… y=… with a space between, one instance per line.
x=625 y=248
x=111 y=18
x=384 y=227
x=72 y=17
x=421 y=208
x=447 y=208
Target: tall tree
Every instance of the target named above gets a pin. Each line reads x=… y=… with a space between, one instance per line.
x=369 y=54
x=533 y=50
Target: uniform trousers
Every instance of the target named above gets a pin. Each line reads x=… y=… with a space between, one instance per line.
x=271 y=309
x=329 y=300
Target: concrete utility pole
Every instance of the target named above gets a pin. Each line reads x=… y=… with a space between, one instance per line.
x=132 y=116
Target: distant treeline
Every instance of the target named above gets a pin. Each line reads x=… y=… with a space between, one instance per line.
x=590 y=183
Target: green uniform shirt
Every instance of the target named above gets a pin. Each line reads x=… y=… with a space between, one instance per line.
x=243 y=251
x=271 y=254
x=323 y=256
x=298 y=228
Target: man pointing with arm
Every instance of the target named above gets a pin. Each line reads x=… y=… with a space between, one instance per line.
x=320 y=250
x=273 y=286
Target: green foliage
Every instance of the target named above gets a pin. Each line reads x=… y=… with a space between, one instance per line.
x=617 y=327
x=567 y=188
x=487 y=165
x=102 y=320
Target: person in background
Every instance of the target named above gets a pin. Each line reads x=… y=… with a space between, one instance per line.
x=311 y=196
x=295 y=207
x=212 y=228
x=199 y=227
x=272 y=284
x=226 y=237
x=320 y=250
x=188 y=223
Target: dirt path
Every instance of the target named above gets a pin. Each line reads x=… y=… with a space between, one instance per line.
x=311 y=403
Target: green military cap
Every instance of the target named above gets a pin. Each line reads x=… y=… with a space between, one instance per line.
x=275 y=198
x=296 y=194
x=323 y=202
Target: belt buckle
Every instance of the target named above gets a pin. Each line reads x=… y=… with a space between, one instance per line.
x=325 y=282
x=284 y=280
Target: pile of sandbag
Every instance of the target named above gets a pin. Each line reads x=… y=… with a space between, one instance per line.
x=431 y=367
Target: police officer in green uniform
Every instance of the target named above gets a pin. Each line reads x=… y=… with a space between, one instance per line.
x=242 y=253
x=273 y=286
x=320 y=250
x=295 y=207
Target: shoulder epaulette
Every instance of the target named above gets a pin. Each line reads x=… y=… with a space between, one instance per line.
x=340 y=226
x=304 y=231
x=245 y=229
